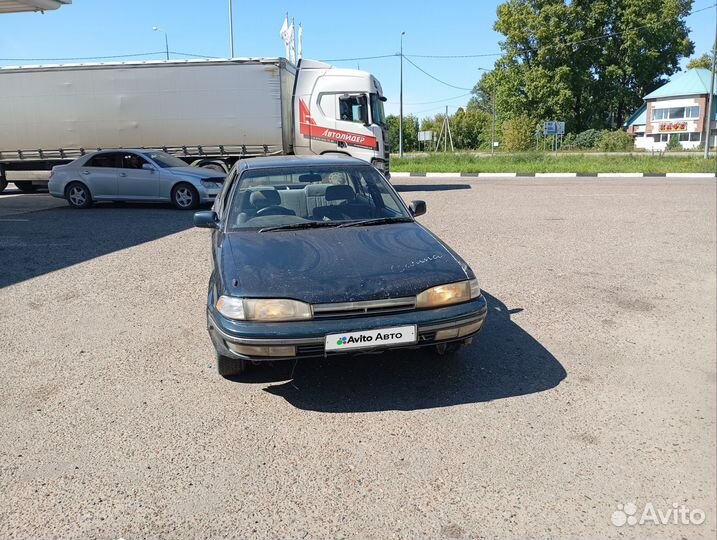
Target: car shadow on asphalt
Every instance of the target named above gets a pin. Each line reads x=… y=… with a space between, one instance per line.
x=35 y=241
x=430 y=187
x=503 y=361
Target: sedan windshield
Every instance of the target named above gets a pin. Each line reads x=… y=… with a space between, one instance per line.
x=306 y=197
x=165 y=160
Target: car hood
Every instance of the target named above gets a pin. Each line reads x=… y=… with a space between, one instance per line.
x=197 y=172
x=337 y=264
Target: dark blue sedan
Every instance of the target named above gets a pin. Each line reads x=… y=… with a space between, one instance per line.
x=319 y=256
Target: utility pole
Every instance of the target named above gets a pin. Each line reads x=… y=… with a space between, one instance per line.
x=492 y=144
x=400 y=115
x=710 y=106
x=231 y=31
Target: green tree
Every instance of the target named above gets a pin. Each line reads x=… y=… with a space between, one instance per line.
x=704 y=61
x=410 y=132
x=588 y=62
x=471 y=129
x=518 y=134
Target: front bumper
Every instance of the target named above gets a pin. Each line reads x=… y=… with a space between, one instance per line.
x=207 y=195
x=308 y=336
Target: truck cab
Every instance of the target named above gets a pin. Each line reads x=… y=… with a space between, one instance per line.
x=340 y=111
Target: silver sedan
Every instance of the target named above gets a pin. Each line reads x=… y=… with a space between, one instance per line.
x=134 y=175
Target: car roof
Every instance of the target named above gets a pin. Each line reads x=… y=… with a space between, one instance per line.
x=273 y=162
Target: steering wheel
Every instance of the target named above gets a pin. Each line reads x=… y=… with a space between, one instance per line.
x=275 y=211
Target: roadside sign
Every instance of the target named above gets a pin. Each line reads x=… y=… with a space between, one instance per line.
x=560 y=128
x=550 y=128
x=425 y=135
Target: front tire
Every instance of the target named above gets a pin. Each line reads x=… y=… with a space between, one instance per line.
x=78 y=195
x=230 y=367
x=448 y=349
x=3 y=184
x=27 y=187
x=185 y=197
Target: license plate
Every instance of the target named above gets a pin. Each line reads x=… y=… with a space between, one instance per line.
x=369 y=339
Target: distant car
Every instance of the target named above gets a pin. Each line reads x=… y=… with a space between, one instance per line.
x=134 y=175
x=319 y=256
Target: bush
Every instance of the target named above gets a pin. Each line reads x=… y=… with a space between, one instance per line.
x=568 y=141
x=615 y=141
x=673 y=144
x=587 y=140
x=518 y=134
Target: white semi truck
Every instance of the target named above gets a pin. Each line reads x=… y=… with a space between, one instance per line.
x=209 y=113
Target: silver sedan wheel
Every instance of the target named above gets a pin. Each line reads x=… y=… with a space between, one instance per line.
x=77 y=196
x=184 y=197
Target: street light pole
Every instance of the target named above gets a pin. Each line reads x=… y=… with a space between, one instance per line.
x=400 y=115
x=231 y=31
x=166 y=39
x=492 y=144
x=710 y=106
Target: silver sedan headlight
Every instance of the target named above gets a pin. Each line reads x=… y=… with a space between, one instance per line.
x=263 y=309
x=449 y=294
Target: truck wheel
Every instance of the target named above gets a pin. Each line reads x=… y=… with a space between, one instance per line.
x=78 y=195
x=27 y=187
x=230 y=367
x=185 y=197
x=3 y=184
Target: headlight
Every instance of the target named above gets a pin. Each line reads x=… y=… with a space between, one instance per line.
x=258 y=309
x=449 y=294
x=210 y=182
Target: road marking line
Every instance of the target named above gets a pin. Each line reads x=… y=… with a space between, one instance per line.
x=690 y=175
x=4 y=219
x=497 y=175
x=556 y=175
x=621 y=175
x=442 y=175
x=400 y=174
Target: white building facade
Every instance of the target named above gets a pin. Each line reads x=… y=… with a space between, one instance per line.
x=678 y=109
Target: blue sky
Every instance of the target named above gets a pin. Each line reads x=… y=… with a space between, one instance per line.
x=332 y=30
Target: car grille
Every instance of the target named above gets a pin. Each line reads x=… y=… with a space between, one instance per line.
x=367 y=308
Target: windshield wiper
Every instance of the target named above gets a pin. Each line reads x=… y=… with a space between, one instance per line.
x=295 y=226
x=376 y=221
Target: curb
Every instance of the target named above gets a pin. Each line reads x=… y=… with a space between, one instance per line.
x=549 y=175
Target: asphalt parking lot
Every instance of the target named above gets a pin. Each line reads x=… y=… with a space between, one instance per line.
x=592 y=384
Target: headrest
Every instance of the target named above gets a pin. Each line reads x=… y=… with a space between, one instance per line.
x=316 y=190
x=264 y=198
x=339 y=193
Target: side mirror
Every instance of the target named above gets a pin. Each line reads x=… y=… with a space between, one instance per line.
x=206 y=219
x=148 y=167
x=417 y=208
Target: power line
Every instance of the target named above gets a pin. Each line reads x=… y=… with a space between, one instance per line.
x=362 y=58
x=435 y=78
x=497 y=54
x=440 y=100
x=393 y=55
x=110 y=57
x=569 y=43
x=69 y=59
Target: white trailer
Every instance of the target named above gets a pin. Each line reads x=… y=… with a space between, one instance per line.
x=208 y=112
